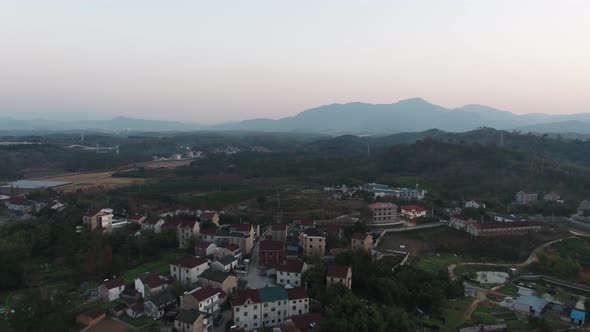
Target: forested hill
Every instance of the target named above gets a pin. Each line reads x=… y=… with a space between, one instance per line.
x=558 y=149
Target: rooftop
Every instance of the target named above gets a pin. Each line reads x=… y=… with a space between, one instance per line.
x=297 y=293
x=217 y=276
x=413 y=207
x=204 y=293
x=294 y=266
x=187 y=316
x=360 y=236
x=152 y=280
x=248 y=294
x=191 y=262
x=226 y=260
x=494 y=224
x=312 y=232
x=380 y=205
x=272 y=245
x=306 y=322
x=114 y=283
x=34 y=184
x=338 y=271
x=271 y=294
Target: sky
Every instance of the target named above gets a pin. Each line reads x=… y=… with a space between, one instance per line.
x=217 y=61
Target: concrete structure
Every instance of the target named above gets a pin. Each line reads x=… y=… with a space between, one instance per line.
x=211 y=216
x=413 y=211
x=188 y=269
x=362 y=241
x=151 y=284
x=268 y=307
x=204 y=248
x=186 y=230
x=460 y=222
x=552 y=196
x=502 y=229
x=525 y=197
x=157 y=306
x=225 y=263
x=312 y=242
x=111 y=289
x=384 y=212
x=382 y=190
x=290 y=272
x=153 y=224
x=339 y=274
x=474 y=205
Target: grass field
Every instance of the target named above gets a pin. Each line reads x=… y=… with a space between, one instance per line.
x=455 y=314
x=158 y=266
x=436 y=262
x=509 y=289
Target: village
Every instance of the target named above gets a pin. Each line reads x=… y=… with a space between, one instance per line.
x=247 y=277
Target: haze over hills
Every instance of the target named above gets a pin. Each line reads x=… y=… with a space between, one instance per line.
x=409 y=115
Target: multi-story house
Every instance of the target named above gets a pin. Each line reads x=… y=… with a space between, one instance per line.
x=312 y=242
x=225 y=263
x=151 y=284
x=474 y=205
x=186 y=230
x=211 y=216
x=111 y=289
x=268 y=307
x=460 y=222
x=189 y=321
x=279 y=232
x=413 y=211
x=339 y=274
x=218 y=279
x=188 y=269
x=525 y=197
x=384 y=212
x=290 y=272
x=98 y=219
x=271 y=253
x=204 y=299
x=204 y=248
x=152 y=224
x=362 y=241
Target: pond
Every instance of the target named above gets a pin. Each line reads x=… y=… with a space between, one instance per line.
x=491 y=277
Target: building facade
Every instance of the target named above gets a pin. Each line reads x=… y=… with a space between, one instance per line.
x=384 y=212
x=312 y=242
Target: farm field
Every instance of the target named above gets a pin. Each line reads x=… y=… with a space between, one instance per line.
x=108 y=325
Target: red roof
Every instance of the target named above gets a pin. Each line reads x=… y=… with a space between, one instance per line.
x=306 y=222
x=295 y=266
x=188 y=224
x=151 y=221
x=297 y=293
x=203 y=244
x=204 y=293
x=207 y=215
x=191 y=262
x=114 y=283
x=279 y=227
x=17 y=200
x=179 y=223
x=247 y=228
x=152 y=280
x=171 y=224
x=413 y=207
x=312 y=232
x=232 y=247
x=306 y=322
x=209 y=231
x=338 y=271
x=269 y=245
x=360 y=236
x=380 y=205
x=248 y=294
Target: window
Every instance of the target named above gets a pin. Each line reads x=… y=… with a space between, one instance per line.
x=245 y=313
x=237 y=309
x=255 y=307
x=255 y=316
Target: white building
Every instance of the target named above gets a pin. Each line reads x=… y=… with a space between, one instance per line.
x=111 y=289
x=474 y=205
x=204 y=299
x=290 y=273
x=188 y=269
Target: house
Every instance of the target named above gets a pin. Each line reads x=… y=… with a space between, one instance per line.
x=204 y=248
x=474 y=205
x=279 y=232
x=232 y=249
x=20 y=204
x=130 y=295
x=225 y=264
x=333 y=230
x=224 y=236
x=203 y=299
x=188 y=269
x=91 y=317
x=157 y=306
x=312 y=242
x=290 y=272
x=246 y=229
x=382 y=190
x=525 y=197
x=98 y=219
x=552 y=196
x=577 y=317
x=271 y=253
x=363 y=241
x=150 y=284
x=111 y=289
x=460 y=222
x=136 y=310
x=339 y=274
x=413 y=211
x=188 y=321
x=383 y=213
x=500 y=217
x=186 y=230
x=302 y=323
x=153 y=224
x=268 y=307
x=218 y=279
x=306 y=224
x=211 y=216
x=502 y=229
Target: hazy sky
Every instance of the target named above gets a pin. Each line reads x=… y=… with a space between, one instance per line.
x=213 y=61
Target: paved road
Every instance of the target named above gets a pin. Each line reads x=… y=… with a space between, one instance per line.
x=253 y=278
x=226 y=317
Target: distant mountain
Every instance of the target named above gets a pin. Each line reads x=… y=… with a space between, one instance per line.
x=408 y=115
x=570 y=126
x=116 y=124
